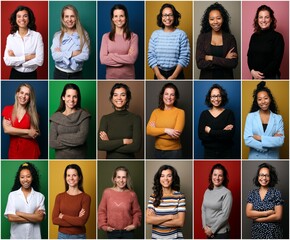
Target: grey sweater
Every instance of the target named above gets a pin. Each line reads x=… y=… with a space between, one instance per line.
x=216 y=209
x=68 y=134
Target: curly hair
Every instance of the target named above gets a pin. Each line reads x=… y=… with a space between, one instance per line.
x=261 y=87
x=80 y=175
x=205 y=27
x=161 y=102
x=157 y=187
x=127 y=31
x=61 y=107
x=31 y=24
x=128 y=93
x=273 y=175
x=273 y=24
x=176 y=15
x=223 y=94
x=129 y=184
x=34 y=173
x=225 y=175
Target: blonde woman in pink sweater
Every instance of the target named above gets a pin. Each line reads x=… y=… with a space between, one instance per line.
x=119 y=210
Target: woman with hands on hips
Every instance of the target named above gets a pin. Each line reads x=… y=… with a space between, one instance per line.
x=119 y=212
x=71 y=209
x=216 y=47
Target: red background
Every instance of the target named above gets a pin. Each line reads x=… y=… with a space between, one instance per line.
x=40 y=10
x=201 y=173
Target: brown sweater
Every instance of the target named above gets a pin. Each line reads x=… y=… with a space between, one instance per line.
x=70 y=206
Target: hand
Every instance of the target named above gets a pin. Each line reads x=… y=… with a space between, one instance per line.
x=110 y=229
x=208 y=231
x=39 y=211
x=172 y=132
x=57 y=49
x=129 y=227
x=269 y=212
x=104 y=136
x=160 y=76
x=131 y=51
x=231 y=54
x=151 y=212
x=7 y=122
x=127 y=141
x=229 y=127
x=33 y=133
x=257 y=137
x=82 y=212
x=207 y=129
x=152 y=124
x=277 y=134
x=29 y=57
x=208 y=57
x=257 y=74
x=75 y=53
x=60 y=215
x=11 y=53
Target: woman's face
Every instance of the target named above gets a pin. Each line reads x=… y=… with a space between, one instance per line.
x=69 y=19
x=22 y=19
x=119 y=18
x=70 y=98
x=215 y=20
x=264 y=177
x=166 y=178
x=169 y=97
x=217 y=177
x=121 y=180
x=264 y=19
x=263 y=100
x=72 y=177
x=167 y=17
x=23 y=96
x=25 y=178
x=119 y=98
x=215 y=97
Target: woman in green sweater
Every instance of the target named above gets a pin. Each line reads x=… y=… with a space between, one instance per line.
x=120 y=131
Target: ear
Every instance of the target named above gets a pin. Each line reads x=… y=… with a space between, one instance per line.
x=63 y=98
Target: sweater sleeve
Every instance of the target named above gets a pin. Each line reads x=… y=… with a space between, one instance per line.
x=105 y=56
x=271 y=141
x=225 y=212
x=136 y=211
x=55 y=214
x=203 y=215
x=9 y=60
x=184 y=56
x=154 y=131
x=152 y=58
x=201 y=127
x=102 y=213
x=53 y=137
x=59 y=56
x=250 y=54
x=85 y=51
x=201 y=52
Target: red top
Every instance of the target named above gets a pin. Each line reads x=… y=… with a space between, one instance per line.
x=21 y=148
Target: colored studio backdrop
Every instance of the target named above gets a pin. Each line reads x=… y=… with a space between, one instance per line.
x=249 y=171
x=88 y=102
x=202 y=170
x=233 y=90
x=136 y=25
x=8 y=89
x=87 y=15
x=40 y=10
x=184 y=102
x=185 y=24
x=8 y=173
x=136 y=169
x=280 y=91
x=57 y=185
x=281 y=13
x=136 y=106
x=234 y=10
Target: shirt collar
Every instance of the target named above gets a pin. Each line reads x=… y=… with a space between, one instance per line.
x=27 y=34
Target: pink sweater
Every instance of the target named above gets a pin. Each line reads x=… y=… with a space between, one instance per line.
x=118 y=210
x=119 y=56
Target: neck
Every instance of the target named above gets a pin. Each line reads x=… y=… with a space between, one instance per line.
x=71 y=31
x=117 y=189
x=73 y=191
x=26 y=190
x=216 y=33
x=166 y=191
x=214 y=108
x=262 y=188
x=168 y=107
x=169 y=29
x=22 y=31
x=119 y=31
x=69 y=111
x=266 y=112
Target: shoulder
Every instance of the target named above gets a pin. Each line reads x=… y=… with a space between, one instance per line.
x=178 y=194
x=84 y=114
x=106 y=35
x=34 y=33
x=277 y=35
x=228 y=111
x=275 y=115
x=57 y=34
x=86 y=196
x=133 y=115
x=157 y=33
x=7 y=110
x=134 y=35
x=179 y=110
x=60 y=195
x=56 y=117
x=228 y=35
x=204 y=35
x=180 y=32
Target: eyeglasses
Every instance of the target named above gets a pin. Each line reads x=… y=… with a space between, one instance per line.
x=264 y=175
x=215 y=96
x=167 y=15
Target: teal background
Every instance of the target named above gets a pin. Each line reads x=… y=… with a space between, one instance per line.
x=87 y=15
x=8 y=173
x=88 y=94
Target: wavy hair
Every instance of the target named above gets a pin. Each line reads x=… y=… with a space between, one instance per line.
x=129 y=184
x=223 y=93
x=157 y=187
x=176 y=15
x=273 y=175
x=225 y=175
x=31 y=24
x=205 y=27
x=128 y=93
x=273 y=24
x=61 y=107
x=80 y=175
x=160 y=98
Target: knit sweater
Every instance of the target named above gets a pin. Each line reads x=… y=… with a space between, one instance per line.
x=168 y=49
x=119 y=56
x=70 y=206
x=216 y=209
x=68 y=134
x=118 y=210
x=265 y=53
x=119 y=125
x=173 y=118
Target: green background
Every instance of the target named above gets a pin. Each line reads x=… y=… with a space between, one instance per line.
x=8 y=173
x=87 y=15
x=88 y=94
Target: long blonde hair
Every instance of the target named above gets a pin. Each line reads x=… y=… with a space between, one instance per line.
x=30 y=106
x=84 y=38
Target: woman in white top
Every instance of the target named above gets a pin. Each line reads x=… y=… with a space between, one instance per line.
x=25 y=206
x=70 y=46
x=24 y=46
